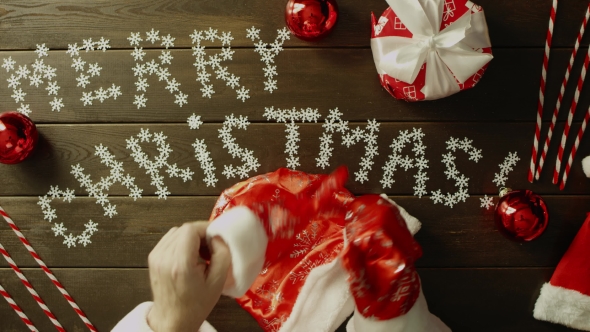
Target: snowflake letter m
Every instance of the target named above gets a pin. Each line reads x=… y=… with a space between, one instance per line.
x=334 y=123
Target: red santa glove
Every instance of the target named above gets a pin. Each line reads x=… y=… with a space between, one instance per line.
x=379 y=258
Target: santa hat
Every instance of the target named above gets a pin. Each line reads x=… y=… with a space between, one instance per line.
x=565 y=299
x=292 y=266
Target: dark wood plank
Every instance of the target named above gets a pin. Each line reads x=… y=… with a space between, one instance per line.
x=63 y=146
x=465 y=299
x=511 y=23
x=317 y=78
x=464 y=236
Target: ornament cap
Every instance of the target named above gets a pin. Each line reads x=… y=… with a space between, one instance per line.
x=504 y=191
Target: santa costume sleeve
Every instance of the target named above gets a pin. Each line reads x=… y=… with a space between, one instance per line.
x=565 y=299
x=136 y=321
x=379 y=258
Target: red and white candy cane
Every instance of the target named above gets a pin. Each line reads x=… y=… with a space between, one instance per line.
x=542 y=92
x=47 y=271
x=570 y=118
x=561 y=91
x=17 y=309
x=574 y=150
x=31 y=290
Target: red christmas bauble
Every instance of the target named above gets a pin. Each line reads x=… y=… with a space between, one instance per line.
x=311 y=19
x=18 y=137
x=521 y=215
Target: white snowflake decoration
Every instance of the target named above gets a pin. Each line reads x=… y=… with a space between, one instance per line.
x=70 y=240
x=506 y=167
x=42 y=73
x=268 y=52
x=461 y=181
x=419 y=161
x=486 y=202
x=203 y=156
x=83 y=80
x=214 y=62
x=154 y=67
x=289 y=117
x=334 y=123
x=250 y=163
x=153 y=167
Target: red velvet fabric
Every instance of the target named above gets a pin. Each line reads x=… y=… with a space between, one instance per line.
x=305 y=216
x=573 y=271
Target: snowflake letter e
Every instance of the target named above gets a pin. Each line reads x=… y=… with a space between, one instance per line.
x=461 y=181
x=289 y=117
x=419 y=161
x=247 y=156
x=58 y=228
x=101 y=94
x=334 y=123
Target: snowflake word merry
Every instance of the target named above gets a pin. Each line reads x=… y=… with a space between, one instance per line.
x=267 y=53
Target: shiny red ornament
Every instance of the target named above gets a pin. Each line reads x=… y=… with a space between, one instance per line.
x=311 y=19
x=521 y=215
x=18 y=137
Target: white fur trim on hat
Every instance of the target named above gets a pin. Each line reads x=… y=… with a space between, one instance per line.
x=586 y=166
x=418 y=319
x=563 y=306
x=247 y=251
x=324 y=302
x=136 y=321
x=413 y=224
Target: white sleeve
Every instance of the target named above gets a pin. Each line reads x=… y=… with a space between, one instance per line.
x=136 y=321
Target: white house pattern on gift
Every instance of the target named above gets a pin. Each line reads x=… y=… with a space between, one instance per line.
x=144 y=68
x=396 y=159
x=334 y=123
x=289 y=116
x=377 y=28
x=398 y=25
x=410 y=92
x=461 y=181
x=41 y=72
x=449 y=10
x=94 y=69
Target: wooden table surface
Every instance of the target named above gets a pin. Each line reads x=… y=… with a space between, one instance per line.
x=474 y=279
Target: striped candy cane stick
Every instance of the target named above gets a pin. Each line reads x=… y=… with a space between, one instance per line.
x=542 y=92
x=47 y=271
x=570 y=118
x=31 y=290
x=574 y=149
x=561 y=91
x=17 y=309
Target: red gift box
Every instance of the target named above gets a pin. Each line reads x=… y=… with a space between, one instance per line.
x=430 y=50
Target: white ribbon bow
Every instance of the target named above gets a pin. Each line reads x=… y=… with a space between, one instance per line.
x=449 y=53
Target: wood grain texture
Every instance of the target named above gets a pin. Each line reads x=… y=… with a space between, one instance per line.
x=488 y=300
x=62 y=146
x=317 y=78
x=24 y=24
x=464 y=236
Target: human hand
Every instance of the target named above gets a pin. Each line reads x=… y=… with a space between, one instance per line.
x=184 y=287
